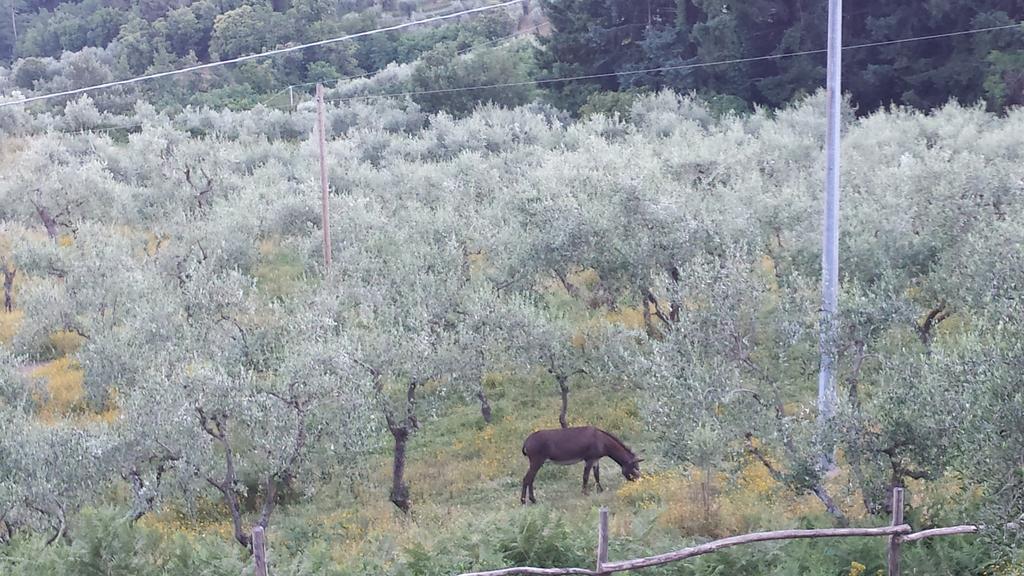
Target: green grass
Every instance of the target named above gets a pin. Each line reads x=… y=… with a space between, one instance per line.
x=279 y=271
x=465 y=476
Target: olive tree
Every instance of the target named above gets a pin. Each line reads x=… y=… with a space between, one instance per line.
x=216 y=383
x=50 y=469
x=730 y=383
x=247 y=393
x=983 y=360
x=396 y=294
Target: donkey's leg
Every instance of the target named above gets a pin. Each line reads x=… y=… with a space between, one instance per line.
x=597 y=476
x=533 y=474
x=586 y=475
x=528 y=481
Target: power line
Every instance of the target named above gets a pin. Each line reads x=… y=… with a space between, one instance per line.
x=680 y=66
x=934 y=36
x=466 y=50
x=259 y=55
x=645 y=71
x=267 y=100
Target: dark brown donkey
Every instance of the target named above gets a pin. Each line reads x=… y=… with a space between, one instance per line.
x=571 y=445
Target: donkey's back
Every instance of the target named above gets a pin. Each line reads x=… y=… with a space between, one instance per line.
x=567 y=445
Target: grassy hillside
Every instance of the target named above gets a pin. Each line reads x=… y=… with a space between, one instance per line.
x=176 y=337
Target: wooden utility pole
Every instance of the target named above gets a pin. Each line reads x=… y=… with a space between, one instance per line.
x=830 y=236
x=325 y=208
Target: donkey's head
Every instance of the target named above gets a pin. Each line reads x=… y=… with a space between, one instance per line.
x=631 y=469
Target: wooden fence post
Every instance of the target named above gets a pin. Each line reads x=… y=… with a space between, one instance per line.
x=602 y=540
x=894 y=540
x=259 y=551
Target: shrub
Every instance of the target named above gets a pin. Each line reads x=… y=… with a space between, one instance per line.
x=104 y=543
x=541 y=538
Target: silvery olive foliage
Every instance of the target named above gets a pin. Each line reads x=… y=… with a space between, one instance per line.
x=731 y=377
x=49 y=469
x=245 y=392
x=186 y=256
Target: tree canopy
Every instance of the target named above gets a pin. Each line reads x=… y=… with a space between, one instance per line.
x=617 y=38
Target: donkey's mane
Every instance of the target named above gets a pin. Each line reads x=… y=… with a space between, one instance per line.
x=620 y=442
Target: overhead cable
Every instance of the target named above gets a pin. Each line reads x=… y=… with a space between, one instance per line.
x=258 y=55
x=675 y=67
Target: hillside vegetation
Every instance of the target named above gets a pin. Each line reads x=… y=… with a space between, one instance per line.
x=918 y=54
x=180 y=366
x=68 y=45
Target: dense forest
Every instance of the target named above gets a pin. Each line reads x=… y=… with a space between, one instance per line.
x=74 y=44
x=625 y=43
x=633 y=250
x=620 y=36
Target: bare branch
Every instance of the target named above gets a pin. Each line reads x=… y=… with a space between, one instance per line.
x=210 y=425
x=649 y=297
x=49 y=222
x=201 y=191
x=570 y=288
x=215 y=484
x=375 y=373
x=241 y=331
x=775 y=473
x=934 y=318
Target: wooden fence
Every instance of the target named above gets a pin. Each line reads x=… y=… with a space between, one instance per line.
x=898 y=533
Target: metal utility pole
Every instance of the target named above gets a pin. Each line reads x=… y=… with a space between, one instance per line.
x=291 y=98
x=14 y=27
x=830 y=237
x=325 y=209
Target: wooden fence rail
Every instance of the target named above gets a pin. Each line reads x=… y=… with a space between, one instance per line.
x=897 y=533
